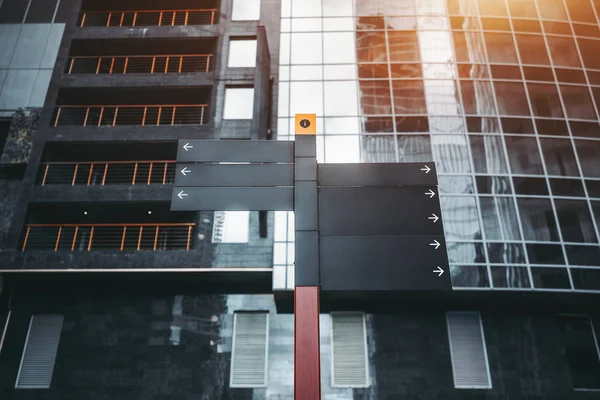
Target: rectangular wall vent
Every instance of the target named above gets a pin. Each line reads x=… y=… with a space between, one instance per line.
x=468 y=352
x=39 y=354
x=349 y=350
x=250 y=350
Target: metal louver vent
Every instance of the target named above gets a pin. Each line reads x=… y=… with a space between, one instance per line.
x=349 y=350
x=39 y=354
x=467 y=348
x=250 y=350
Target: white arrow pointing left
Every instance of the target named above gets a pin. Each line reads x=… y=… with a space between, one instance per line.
x=187 y=147
x=435 y=243
x=430 y=193
x=184 y=171
x=439 y=271
x=181 y=195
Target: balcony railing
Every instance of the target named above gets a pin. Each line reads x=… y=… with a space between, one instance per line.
x=159 y=64
x=111 y=115
x=108 y=237
x=107 y=173
x=149 y=18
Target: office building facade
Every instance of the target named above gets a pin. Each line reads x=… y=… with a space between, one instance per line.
x=106 y=293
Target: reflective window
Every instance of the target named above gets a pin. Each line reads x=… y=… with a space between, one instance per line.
x=385 y=7
x=522 y=8
x=552 y=9
x=493 y=185
x=371 y=47
x=495 y=24
x=245 y=10
x=409 y=97
x=578 y=102
x=239 y=103
x=337 y=8
x=403 y=46
x=375 y=97
x=412 y=148
x=575 y=221
x=478 y=97
x=341 y=98
x=511 y=98
x=307 y=48
x=532 y=49
x=451 y=153
x=559 y=157
x=377 y=124
x=581 y=346
x=523 y=155
x=483 y=124
x=552 y=127
x=506 y=72
x=517 y=125
x=406 y=70
x=545 y=253
x=374 y=71
x=506 y=253
x=545 y=101
x=488 y=154
x=526 y=25
x=467 y=253
x=412 y=124
x=537 y=219
x=343 y=125
x=585 y=129
x=468 y=47
x=583 y=255
x=550 y=278
x=442 y=97
x=538 y=74
x=500 y=47
x=306 y=8
x=342 y=149
x=231 y=227
x=469 y=276
x=242 y=53
x=376 y=149
x=589 y=53
x=306 y=97
x=339 y=47
x=588 y=151
x=510 y=277
x=499 y=218
x=567 y=187
x=455 y=184
x=530 y=186
x=586 y=279
x=563 y=51
x=581 y=10
x=493 y=8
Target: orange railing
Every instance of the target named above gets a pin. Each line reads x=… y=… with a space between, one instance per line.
x=149 y=18
x=111 y=237
x=107 y=173
x=156 y=64
x=105 y=115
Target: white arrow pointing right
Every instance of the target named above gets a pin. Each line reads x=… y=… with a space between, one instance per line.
x=184 y=171
x=187 y=147
x=439 y=271
x=435 y=243
x=434 y=218
x=426 y=169
x=181 y=195
x=430 y=193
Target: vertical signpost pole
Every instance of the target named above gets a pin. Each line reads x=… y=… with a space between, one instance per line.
x=307 y=372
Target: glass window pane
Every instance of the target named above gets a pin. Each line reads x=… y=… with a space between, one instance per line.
x=526 y=25
x=530 y=186
x=435 y=47
x=231 y=227
x=307 y=48
x=523 y=155
x=493 y=8
x=493 y=185
x=588 y=279
x=339 y=48
x=545 y=254
x=377 y=149
x=450 y=184
x=371 y=47
x=306 y=8
x=403 y=46
x=38 y=94
x=550 y=278
x=484 y=125
x=563 y=51
x=488 y=154
x=583 y=255
x=414 y=148
x=581 y=346
x=552 y=127
x=375 y=98
x=441 y=97
x=337 y=8
x=239 y=103
x=499 y=218
x=341 y=98
x=522 y=8
x=30 y=46
x=585 y=129
x=339 y=72
x=17 y=88
x=559 y=157
x=468 y=253
x=506 y=253
x=343 y=125
x=385 y=7
x=468 y=47
x=242 y=53
x=478 y=97
x=552 y=9
x=245 y=10
x=567 y=187
x=338 y=24
x=307 y=25
x=406 y=70
x=469 y=276
x=306 y=72
x=578 y=102
x=412 y=124
x=342 y=149
x=451 y=153
x=589 y=52
x=510 y=277
x=461 y=219
x=511 y=98
x=538 y=74
x=532 y=49
x=575 y=221
x=588 y=151
x=538 y=219
x=581 y=10
x=374 y=71
x=9 y=34
x=517 y=125
x=306 y=98
x=409 y=97
x=500 y=48
x=377 y=124
x=545 y=101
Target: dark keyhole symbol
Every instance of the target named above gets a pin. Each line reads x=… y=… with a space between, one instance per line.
x=305 y=123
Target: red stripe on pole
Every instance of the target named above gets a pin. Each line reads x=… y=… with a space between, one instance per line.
x=307 y=371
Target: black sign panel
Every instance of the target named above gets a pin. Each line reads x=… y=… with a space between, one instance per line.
x=379 y=211
x=235 y=151
x=399 y=174
x=232 y=199
x=384 y=263
x=251 y=175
